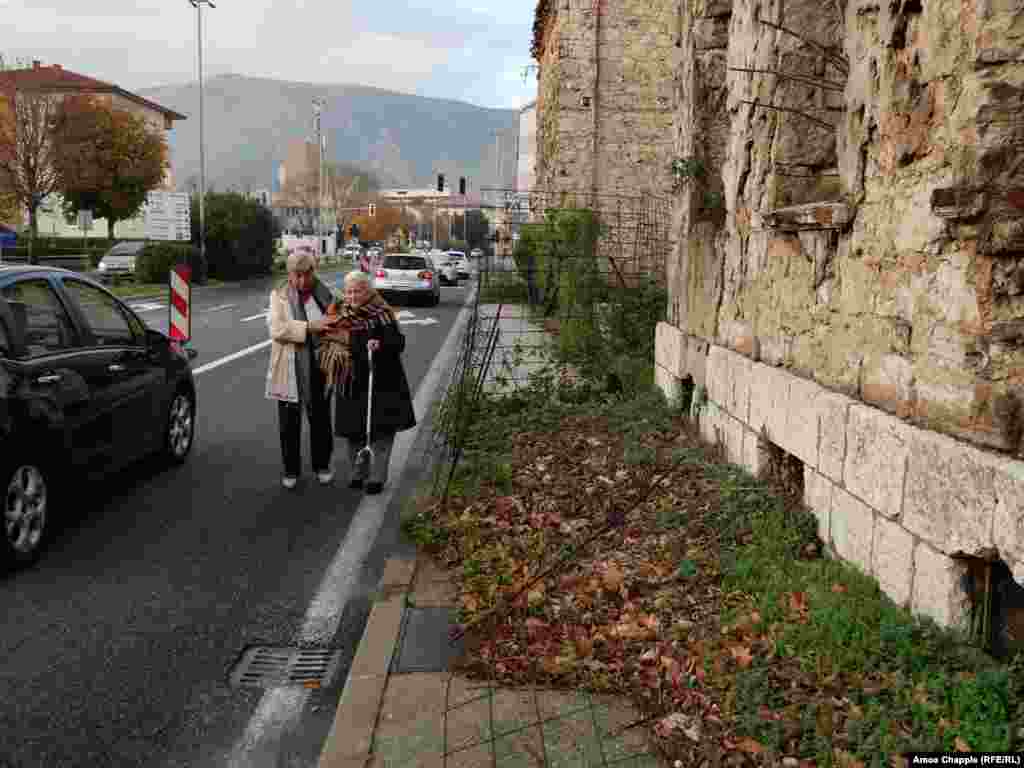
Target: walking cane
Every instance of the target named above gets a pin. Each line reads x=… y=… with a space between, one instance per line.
x=364 y=459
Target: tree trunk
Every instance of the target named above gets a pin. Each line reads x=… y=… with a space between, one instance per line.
x=33 y=231
x=110 y=228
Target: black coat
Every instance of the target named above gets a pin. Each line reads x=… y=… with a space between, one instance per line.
x=392 y=403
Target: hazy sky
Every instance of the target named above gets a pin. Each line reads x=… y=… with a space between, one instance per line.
x=469 y=50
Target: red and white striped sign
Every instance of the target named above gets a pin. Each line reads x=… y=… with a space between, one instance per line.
x=180 y=328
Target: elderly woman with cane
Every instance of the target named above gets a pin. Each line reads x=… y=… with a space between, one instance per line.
x=362 y=360
x=298 y=315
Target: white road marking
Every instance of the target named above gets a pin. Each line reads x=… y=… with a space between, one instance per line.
x=280 y=709
x=255 y=317
x=149 y=306
x=219 y=308
x=229 y=358
x=420 y=321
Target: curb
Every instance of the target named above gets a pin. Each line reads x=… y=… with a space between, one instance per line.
x=349 y=743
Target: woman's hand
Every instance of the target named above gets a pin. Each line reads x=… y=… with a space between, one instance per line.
x=373 y=345
x=323 y=324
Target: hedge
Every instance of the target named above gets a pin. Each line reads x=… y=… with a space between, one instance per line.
x=157 y=259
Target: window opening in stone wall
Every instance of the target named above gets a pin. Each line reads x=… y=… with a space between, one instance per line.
x=779 y=467
x=996 y=605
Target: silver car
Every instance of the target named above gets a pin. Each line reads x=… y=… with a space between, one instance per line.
x=119 y=261
x=409 y=275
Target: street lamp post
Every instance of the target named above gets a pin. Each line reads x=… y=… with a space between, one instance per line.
x=318 y=106
x=198 y=5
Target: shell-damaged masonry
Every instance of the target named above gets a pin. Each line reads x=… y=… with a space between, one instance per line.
x=846 y=279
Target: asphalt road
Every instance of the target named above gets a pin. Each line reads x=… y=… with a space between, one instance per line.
x=116 y=649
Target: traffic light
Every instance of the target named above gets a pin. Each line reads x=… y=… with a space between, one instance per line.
x=440 y=182
x=373 y=209
x=462 y=185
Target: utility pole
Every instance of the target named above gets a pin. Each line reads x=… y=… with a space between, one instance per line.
x=318 y=106
x=198 y=5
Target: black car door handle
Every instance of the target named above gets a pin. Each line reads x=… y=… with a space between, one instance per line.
x=49 y=378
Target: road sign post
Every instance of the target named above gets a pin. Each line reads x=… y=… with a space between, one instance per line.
x=180 y=326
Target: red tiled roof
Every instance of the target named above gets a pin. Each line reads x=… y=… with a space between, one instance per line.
x=56 y=78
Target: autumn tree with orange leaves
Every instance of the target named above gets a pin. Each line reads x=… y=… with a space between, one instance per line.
x=108 y=161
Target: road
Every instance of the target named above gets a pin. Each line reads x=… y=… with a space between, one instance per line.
x=116 y=649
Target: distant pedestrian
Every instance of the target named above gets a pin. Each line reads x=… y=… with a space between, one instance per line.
x=298 y=314
x=367 y=323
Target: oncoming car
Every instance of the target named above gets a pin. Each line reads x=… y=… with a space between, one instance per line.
x=410 y=275
x=85 y=390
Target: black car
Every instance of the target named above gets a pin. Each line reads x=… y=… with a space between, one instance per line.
x=85 y=389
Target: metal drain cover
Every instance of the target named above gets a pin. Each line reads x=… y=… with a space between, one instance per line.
x=276 y=667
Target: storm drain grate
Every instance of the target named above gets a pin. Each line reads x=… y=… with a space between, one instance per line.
x=270 y=667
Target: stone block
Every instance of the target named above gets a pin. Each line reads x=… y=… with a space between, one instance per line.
x=718 y=382
x=709 y=422
x=852 y=524
x=769 y=401
x=809 y=216
x=670 y=349
x=800 y=437
x=893 y=560
x=739 y=375
x=890 y=384
x=950 y=498
x=877 y=446
x=670 y=386
x=1009 y=512
x=755 y=455
x=818 y=498
x=697 y=360
x=937 y=590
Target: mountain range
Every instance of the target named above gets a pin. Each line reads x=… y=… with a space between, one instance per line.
x=404 y=139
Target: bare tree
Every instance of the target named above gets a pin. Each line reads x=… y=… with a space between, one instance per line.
x=29 y=142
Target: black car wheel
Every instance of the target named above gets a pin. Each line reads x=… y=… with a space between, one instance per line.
x=181 y=426
x=26 y=513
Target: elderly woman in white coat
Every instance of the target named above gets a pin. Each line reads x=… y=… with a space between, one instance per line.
x=297 y=316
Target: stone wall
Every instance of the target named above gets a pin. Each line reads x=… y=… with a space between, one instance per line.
x=605 y=109
x=849 y=270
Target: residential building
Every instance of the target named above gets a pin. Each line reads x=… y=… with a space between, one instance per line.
x=55 y=80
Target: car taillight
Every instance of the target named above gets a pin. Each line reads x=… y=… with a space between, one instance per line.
x=381 y=273
x=426 y=275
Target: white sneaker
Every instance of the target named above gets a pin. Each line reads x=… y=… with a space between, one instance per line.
x=289 y=482
x=325 y=477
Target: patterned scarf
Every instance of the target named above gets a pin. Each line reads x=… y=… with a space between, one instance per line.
x=335 y=352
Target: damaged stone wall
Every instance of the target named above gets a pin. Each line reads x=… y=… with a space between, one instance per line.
x=860 y=290
x=605 y=109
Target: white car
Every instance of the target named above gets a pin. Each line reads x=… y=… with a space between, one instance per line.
x=464 y=267
x=447 y=268
x=119 y=261
x=409 y=275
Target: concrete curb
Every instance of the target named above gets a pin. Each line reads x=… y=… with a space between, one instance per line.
x=349 y=743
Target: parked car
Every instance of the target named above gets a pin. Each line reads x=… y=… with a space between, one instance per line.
x=410 y=275
x=464 y=267
x=85 y=390
x=119 y=261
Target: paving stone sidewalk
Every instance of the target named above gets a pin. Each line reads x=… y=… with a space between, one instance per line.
x=402 y=707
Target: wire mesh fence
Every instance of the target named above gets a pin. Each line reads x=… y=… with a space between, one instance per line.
x=566 y=297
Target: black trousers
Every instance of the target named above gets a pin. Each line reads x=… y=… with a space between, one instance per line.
x=321 y=438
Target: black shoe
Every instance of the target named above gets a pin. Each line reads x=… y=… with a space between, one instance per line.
x=355 y=484
x=372 y=488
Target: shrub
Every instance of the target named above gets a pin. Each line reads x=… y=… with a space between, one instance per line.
x=157 y=259
x=240 y=235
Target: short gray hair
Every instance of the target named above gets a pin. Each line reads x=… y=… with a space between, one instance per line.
x=357 y=277
x=301 y=260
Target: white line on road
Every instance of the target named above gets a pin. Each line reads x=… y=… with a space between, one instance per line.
x=280 y=709
x=219 y=308
x=255 y=317
x=233 y=356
